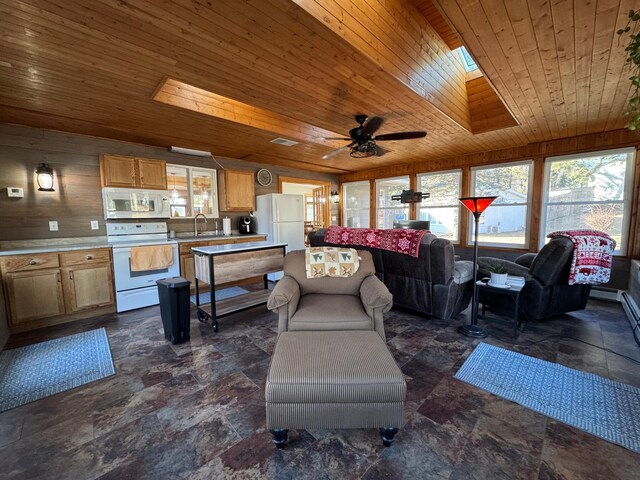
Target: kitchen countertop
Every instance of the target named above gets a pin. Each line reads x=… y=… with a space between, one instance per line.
x=237 y=247
x=54 y=248
x=67 y=246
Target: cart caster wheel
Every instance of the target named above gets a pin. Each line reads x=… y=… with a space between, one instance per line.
x=215 y=327
x=202 y=318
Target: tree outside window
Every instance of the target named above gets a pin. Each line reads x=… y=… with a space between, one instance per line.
x=590 y=191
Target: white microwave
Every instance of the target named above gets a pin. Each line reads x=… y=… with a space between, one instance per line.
x=135 y=203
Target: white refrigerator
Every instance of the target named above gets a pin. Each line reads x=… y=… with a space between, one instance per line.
x=281 y=217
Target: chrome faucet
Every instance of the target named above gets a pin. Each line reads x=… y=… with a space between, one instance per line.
x=195 y=223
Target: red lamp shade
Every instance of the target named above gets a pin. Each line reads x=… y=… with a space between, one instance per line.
x=477 y=204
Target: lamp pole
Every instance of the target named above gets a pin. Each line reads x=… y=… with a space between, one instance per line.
x=476 y=205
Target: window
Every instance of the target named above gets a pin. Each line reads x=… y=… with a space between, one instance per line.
x=356 y=204
x=589 y=191
x=468 y=62
x=388 y=210
x=193 y=191
x=442 y=209
x=505 y=223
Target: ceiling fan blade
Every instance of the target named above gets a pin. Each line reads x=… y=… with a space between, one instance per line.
x=373 y=124
x=346 y=139
x=380 y=151
x=337 y=151
x=400 y=136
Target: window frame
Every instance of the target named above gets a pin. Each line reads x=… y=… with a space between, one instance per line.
x=626 y=202
x=458 y=206
x=377 y=208
x=214 y=189
x=528 y=204
x=344 y=201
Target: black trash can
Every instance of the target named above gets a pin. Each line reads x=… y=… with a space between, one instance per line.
x=175 y=308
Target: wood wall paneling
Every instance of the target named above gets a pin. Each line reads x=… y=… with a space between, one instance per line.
x=77 y=199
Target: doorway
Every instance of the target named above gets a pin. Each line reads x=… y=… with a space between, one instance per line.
x=316 y=200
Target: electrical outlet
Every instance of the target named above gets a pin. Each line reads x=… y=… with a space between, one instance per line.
x=53 y=226
x=334 y=218
x=94 y=225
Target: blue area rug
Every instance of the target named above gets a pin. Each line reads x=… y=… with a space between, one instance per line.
x=43 y=369
x=597 y=405
x=220 y=295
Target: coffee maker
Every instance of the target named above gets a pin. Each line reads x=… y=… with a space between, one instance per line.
x=245 y=225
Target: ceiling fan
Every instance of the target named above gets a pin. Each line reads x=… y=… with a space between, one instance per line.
x=363 y=143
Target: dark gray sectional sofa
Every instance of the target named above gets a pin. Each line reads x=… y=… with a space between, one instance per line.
x=433 y=284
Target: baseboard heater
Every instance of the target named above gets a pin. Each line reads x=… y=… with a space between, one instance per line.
x=604 y=293
x=632 y=310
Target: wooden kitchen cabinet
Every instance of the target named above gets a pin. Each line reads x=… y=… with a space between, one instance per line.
x=152 y=173
x=236 y=190
x=33 y=295
x=87 y=287
x=39 y=295
x=132 y=172
x=118 y=171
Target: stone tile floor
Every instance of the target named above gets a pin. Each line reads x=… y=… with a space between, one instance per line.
x=196 y=410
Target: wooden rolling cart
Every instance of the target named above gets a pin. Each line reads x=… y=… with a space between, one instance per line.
x=218 y=264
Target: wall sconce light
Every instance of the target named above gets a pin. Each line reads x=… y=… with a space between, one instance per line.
x=335 y=197
x=44 y=177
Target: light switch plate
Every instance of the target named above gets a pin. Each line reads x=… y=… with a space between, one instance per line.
x=334 y=218
x=53 y=226
x=94 y=225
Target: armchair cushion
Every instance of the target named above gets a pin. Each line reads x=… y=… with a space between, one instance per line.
x=317 y=311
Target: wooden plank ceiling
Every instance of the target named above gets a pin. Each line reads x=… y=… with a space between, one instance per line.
x=300 y=68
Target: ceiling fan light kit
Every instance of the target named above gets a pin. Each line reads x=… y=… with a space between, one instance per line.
x=363 y=143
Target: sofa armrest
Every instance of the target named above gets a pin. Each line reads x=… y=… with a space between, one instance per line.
x=485 y=264
x=462 y=271
x=284 y=300
x=526 y=260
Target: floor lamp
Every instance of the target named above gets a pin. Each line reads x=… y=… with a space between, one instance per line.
x=475 y=205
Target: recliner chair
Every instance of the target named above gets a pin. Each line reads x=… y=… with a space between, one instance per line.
x=547 y=291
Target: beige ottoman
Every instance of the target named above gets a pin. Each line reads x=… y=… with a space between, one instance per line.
x=334 y=379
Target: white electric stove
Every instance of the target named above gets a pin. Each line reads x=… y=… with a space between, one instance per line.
x=138 y=289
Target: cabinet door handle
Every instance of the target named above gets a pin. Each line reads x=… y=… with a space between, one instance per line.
x=33 y=262
x=70 y=275
x=58 y=276
x=89 y=257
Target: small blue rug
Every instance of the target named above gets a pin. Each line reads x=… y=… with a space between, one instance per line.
x=597 y=405
x=43 y=369
x=220 y=295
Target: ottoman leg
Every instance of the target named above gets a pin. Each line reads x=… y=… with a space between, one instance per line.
x=279 y=437
x=387 y=435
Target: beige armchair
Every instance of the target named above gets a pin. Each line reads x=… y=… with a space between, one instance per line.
x=329 y=303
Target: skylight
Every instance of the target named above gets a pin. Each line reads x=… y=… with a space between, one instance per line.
x=467 y=61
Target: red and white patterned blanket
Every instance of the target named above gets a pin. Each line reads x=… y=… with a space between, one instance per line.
x=592 y=256
x=399 y=240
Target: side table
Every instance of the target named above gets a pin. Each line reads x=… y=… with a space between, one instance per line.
x=513 y=291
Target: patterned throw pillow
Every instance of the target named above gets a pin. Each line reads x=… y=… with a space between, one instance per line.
x=331 y=262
